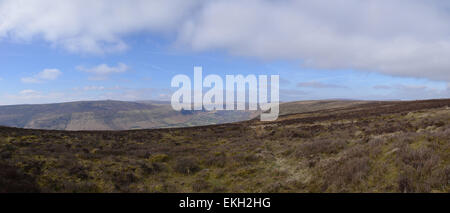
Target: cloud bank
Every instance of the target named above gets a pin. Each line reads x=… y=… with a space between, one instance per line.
x=102 y=71
x=394 y=37
x=45 y=75
x=319 y=85
x=89 y=26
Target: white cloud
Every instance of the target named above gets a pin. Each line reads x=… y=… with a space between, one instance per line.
x=49 y=74
x=292 y=95
x=90 y=88
x=404 y=38
x=102 y=71
x=400 y=38
x=318 y=85
x=89 y=26
x=29 y=96
x=45 y=75
x=420 y=92
x=29 y=92
x=382 y=87
x=411 y=91
x=29 y=80
x=96 y=88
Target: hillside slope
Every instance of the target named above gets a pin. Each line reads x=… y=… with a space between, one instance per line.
x=110 y=115
x=121 y=115
x=371 y=147
x=309 y=106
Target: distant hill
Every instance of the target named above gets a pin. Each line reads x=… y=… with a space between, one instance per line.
x=122 y=115
x=309 y=106
x=111 y=115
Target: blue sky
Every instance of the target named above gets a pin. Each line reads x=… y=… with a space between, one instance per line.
x=151 y=66
x=46 y=61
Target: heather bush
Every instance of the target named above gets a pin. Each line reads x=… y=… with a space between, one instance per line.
x=200 y=185
x=320 y=146
x=187 y=165
x=13 y=179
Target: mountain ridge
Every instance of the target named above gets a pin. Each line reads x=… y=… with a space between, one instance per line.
x=109 y=115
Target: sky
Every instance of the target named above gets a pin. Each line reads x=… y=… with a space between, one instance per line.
x=72 y=50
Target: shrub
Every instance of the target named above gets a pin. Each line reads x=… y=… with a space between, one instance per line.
x=244 y=159
x=216 y=159
x=152 y=168
x=187 y=165
x=200 y=185
x=420 y=159
x=404 y=183
x=406 y=180
x=319 y=146
x=159 y=158
x=124 y=178
x=12 y=180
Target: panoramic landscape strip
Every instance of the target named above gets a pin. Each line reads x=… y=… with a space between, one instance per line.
x=225 y=105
